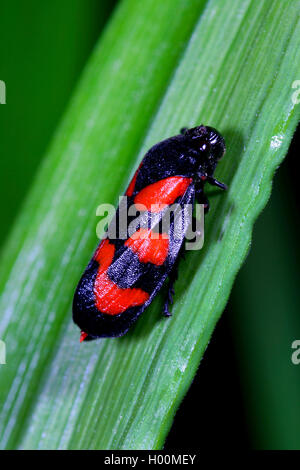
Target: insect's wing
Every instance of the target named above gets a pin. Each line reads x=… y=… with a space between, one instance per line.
x=125 y=275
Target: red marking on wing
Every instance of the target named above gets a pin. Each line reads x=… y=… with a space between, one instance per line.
x=110 y=298
x=131 y=186
x=104 y=255
x=83 y=335
x=162 y=193
x=151 y=247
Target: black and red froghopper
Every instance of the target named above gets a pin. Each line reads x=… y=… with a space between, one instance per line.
x=125 y=275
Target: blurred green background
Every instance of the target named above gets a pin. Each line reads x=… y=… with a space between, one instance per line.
x=43 y=48
x=249 y=357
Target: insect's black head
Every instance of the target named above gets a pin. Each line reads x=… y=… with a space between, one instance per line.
x=209 y=145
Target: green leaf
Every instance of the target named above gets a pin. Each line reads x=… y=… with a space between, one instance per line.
x=159 y=66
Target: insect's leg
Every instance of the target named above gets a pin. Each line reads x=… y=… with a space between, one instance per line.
x=202 y=199
x=211 y=180
x=173 y=276
x=169 y=297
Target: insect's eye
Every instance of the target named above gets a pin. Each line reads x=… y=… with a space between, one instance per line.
x=205 y=147
x=217 y=144
x=201 y=144
x=218 y=151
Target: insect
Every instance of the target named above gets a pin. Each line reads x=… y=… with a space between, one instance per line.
x=124 y=275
